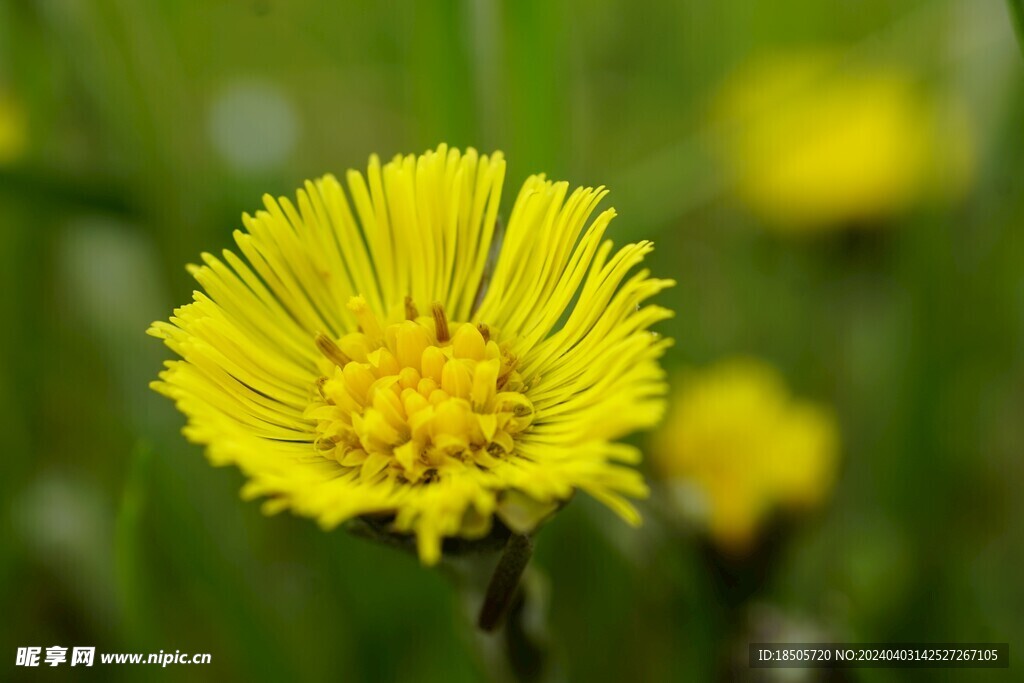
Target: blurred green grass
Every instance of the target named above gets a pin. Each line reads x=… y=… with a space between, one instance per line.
x=118 y=534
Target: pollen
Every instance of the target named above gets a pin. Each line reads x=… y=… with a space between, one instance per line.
x=421 y=397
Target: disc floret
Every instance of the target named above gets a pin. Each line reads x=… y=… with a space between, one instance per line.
x=417 y=398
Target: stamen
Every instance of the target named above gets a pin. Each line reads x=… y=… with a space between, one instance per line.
x=330 y=349
x=367 y=320
x=320 y=382
x=513 y=363
x=440 y=322
x=326 y=443
x=410 y=406
x=410 y=309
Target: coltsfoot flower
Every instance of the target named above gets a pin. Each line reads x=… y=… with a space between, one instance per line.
x=387 y=352
x=737 y=447
x=816 y=145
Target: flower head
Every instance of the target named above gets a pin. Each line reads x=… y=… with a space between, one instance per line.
x=738 y=447
x=388 y=352
x=815 y=147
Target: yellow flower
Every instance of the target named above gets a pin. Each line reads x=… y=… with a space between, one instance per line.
x=738 y=447
x=13 y=129
x=813 y=146
x=388 y=352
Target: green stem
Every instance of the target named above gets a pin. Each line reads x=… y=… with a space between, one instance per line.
x=525 y=650
x=129 y=532
x=504 y=584
x=52 y=186
x=1017 y=17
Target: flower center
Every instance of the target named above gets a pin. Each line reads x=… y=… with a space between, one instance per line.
x=418 y=397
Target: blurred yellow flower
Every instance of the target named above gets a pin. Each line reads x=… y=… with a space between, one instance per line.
x=815 y=145
x=737 y=447
x=13 y=129
x=384 y=352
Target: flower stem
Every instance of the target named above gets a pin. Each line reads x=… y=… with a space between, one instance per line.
x=1017 y=17
x=504 y=584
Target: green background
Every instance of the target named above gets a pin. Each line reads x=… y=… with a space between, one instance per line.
x=153 y=125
